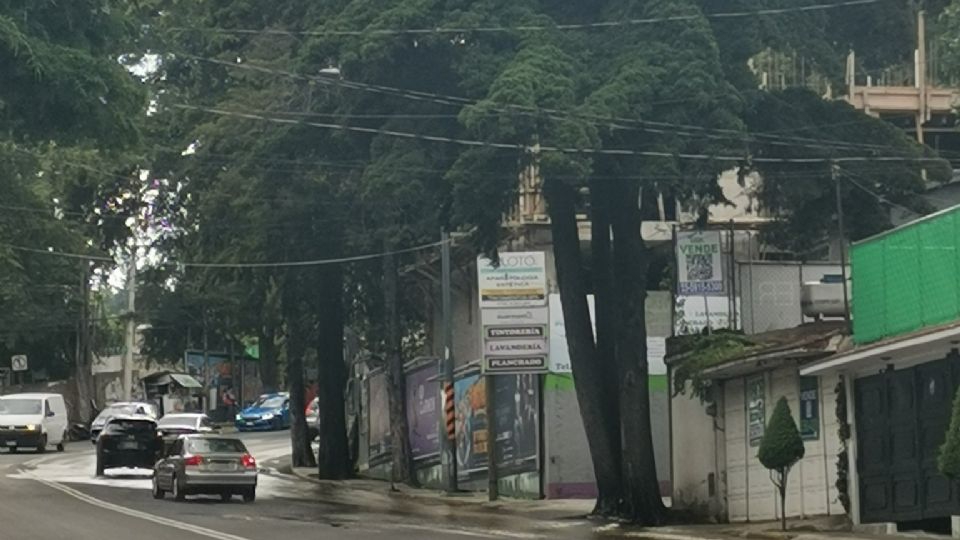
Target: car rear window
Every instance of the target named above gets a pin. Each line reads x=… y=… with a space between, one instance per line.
x=130 y=426
x=179 y=421
x=215 y=446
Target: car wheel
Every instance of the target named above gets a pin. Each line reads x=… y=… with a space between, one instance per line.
x=42 y=447
x=177 y=491
x=13 y=449
x=100 y=466
x=157 y=492
x=60 y=446
x=226 y=496
x=250 y=495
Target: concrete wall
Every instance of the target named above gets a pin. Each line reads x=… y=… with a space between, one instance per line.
x=697 y=457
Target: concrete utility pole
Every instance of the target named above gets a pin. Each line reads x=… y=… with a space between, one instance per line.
x=131 y=324
x=449 y=460
x=835 y=173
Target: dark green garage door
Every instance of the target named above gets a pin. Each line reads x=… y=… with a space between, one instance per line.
x=901 y=417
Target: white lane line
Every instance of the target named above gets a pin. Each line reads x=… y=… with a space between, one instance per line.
x=462 y=531
x=196 y=529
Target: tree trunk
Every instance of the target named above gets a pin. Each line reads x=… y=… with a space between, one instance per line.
x=597 y=402
x=783 y=500
x=296 y=348
x=334 y=459
x=641 y=501
x=396 y=381
x=84 y=373
x=268 y=357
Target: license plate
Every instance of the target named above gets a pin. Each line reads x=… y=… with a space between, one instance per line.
x=11 y=443
x=222 y=467
x=249 y=423
x=129 y=446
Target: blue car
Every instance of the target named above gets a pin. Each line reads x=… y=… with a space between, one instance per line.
x=269 y=412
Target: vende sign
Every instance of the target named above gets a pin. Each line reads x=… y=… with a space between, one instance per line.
x=699 y=263
x=519 y=281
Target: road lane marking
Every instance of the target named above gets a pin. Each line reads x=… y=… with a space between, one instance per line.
x=463 y=531
x=196 y=529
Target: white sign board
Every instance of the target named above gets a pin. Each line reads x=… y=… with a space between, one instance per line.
x=516 y=347
x=520 y=281
x=514 y=316
x=560 y=356
x=694 y=313
x=18 y=362
x=699 y=263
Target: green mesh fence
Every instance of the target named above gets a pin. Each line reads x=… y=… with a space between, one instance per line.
x=907 y=279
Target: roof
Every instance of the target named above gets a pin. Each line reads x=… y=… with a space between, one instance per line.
x=757 y=352
x=138 y=417
x=167 y=377
x=30 y=395
x=183 y=415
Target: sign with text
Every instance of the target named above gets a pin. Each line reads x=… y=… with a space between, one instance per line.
x=514 y=316
x=516 y=347
x=756 y=409
x=515 y=332
x=809 y=408
x=495 y=365
x=423 y=412
x=520 y=280
x=699 y=263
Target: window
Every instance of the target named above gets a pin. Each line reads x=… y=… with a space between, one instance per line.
x=216 y=446
x=177 y=447
x=20 y=406
x=270 y=402
x=130 y=426
x=47 y=411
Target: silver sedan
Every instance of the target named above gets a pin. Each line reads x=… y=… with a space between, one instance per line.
x=206 y=464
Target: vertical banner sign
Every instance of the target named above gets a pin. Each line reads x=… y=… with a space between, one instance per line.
x=514 y=313
x=517 y=412
x=470 y=394
x=756 y=410
x=700 y=263
x=423 y=414
x=809 y=408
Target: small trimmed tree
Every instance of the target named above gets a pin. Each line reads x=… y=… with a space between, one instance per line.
x=780 y=449
x=948 y=462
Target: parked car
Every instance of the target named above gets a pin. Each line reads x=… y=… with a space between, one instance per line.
x=33 y=420
x=121 y=408
x=128 y=441
x=208 y=465
x=313 y=416
x=269 y=412
x=171 y=426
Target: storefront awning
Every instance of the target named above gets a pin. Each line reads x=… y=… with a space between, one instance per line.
x=185 y=380
x=900 y=352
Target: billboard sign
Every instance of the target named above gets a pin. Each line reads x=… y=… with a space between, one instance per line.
x=700 y=263
x=470 y=398
x=423 y=412
x=517 y=413
x=520 y=281
x=496 y=365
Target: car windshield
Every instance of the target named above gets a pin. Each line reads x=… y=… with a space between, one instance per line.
x=178 y=421
x=20 y=406
x=126 y=408
x=130 y=426
x=269 y=402
x=215 y=446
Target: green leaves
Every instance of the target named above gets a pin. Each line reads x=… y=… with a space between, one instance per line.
x=948 y=459
x=781 y=446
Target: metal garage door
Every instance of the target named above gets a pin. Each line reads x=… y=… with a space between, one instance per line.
x=901 y=417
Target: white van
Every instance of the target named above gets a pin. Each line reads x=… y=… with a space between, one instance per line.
x=33 y=420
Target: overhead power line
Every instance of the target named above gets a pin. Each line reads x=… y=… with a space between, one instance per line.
x=564 y=150
x=277 y=264
x=533 y=28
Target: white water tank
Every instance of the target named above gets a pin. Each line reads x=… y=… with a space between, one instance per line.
x=823 y=298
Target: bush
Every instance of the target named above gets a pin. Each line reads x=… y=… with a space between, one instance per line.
x=780 y=448
x=948 y=462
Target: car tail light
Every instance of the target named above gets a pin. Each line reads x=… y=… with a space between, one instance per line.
x=192 y=461
x=249 y=462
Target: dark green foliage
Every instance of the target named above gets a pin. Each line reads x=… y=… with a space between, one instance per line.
x=948 y=461
x=781 y=446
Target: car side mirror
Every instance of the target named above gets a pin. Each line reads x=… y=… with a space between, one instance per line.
x=50 y=413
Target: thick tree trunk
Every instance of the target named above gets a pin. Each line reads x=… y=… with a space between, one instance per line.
x=334 y=459
x=641 y=490
x=302 y=454
x=597 y=401
x=84 y=373
x=268 y=357
x=396 y=381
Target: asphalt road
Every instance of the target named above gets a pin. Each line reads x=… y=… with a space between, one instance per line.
x=55 y=496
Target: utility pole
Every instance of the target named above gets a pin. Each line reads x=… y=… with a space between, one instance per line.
x=131 y=324
x=835 y=173
x=449 y=460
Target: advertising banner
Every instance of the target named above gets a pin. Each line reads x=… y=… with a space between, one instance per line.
x=756 y=410
x=423 y=412
x=700 y=263
x=469 y=394
x=379 y=412
x=809 y=408
x=517 y=399
x=519 y=281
